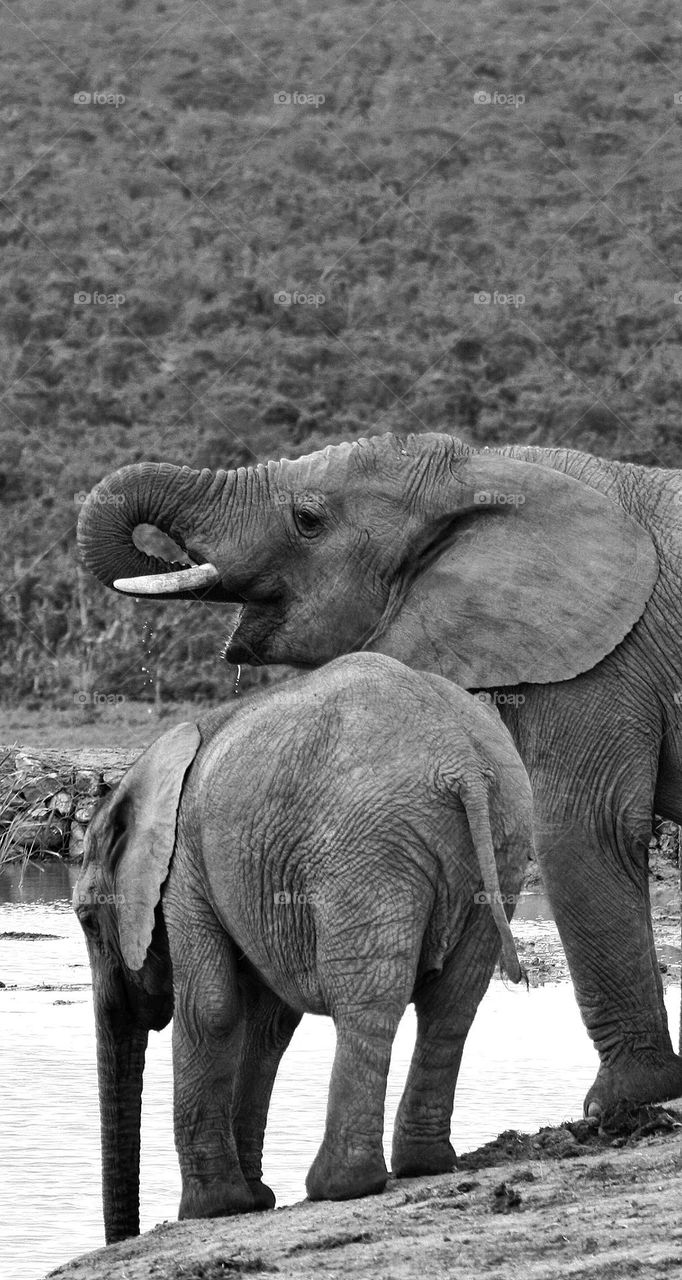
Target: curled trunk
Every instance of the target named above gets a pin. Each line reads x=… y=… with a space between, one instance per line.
x=178 y=501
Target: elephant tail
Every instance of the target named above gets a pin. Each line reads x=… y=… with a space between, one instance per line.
x=474 y=797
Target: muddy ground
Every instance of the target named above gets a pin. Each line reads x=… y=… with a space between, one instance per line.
x=569 y=1201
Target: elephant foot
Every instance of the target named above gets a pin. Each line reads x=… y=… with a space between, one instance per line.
x=263 y=1197
x=411 y=1158
x=333 y=1178
x=640 y=1080
x=216 y=1199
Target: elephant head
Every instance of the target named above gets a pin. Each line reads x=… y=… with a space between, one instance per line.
x=128 y=850
x=483 y=567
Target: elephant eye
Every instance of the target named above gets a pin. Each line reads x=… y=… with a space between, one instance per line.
x=308 y=520
x=89 y=920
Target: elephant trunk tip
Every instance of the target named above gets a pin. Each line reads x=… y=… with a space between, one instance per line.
x=514 y=970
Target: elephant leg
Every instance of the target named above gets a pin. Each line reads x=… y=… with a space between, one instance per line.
x=207 y=1038
x=668 y=800
x=603 y=914
x=367 y=996
x=269 y=1026
x=350 y=1161
x=592 y=751
x=445 y=1004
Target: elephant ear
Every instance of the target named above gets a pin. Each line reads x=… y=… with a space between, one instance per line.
x=520 y=573
x=143 y=819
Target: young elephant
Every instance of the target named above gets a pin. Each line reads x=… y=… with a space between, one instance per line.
x=342 y=846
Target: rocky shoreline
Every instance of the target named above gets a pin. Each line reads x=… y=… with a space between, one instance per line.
x=48 y=796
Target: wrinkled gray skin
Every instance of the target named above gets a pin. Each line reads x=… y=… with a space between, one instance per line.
x=545 y=573
x=347 y=843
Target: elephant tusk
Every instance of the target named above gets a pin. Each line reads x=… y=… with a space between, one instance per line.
x=161 y=584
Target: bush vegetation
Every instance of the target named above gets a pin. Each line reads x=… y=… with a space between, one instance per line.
x=397 y=200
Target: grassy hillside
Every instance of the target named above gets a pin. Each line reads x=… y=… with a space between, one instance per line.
x=384 y=196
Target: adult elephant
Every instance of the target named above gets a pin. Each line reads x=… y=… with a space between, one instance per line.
x=343 y=844
x=546 y=573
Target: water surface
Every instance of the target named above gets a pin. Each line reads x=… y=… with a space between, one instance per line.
x=528 y=1062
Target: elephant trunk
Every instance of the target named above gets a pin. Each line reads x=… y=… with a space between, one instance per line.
x=180 y=503
x=120 y=1067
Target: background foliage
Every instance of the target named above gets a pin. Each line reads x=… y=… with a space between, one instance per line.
x=398 y=199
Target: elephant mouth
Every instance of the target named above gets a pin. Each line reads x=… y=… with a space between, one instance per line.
x=188 y=574
x=247 y=640
x=231 y=642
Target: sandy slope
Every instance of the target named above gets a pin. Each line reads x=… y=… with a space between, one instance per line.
x=593 y=1211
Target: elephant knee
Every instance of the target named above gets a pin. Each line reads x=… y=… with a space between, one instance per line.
x=207 y=1015
x=220 y=1021
x=208 y=999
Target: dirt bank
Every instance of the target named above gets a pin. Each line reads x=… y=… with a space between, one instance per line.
x=568 y=1202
